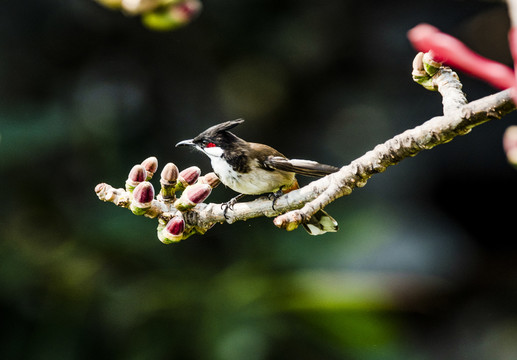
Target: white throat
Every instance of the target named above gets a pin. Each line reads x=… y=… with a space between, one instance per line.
x=213 y=152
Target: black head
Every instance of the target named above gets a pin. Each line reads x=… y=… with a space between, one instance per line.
x=215 y=136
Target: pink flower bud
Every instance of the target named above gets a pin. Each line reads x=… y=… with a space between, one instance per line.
x=185 y=11
x=136 y=176
x=193 y=195
x=169 y=174
x=143 y=193
x=197 y=193
x=176 y=225
x=150 y=165
x=449 y=50
x=190 y=175
x=210 y=179
x=174 y=229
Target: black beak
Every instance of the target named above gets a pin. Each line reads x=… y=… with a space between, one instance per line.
x=186 y=143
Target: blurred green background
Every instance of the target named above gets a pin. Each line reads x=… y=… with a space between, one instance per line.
x=423 y=267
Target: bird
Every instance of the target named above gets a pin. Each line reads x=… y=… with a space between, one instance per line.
x=250 y=168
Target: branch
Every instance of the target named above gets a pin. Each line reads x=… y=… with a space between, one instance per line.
x=180 y=218
x=458 y=119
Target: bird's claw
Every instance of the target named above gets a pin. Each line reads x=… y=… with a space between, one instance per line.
x=274 y=196
x=227 y=205
x=230 y=204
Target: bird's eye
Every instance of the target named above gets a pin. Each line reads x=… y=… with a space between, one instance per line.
x=210 y=144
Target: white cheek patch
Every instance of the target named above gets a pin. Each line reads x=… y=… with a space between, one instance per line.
x=215 y=151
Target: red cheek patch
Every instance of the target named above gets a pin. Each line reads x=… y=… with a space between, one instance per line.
x=210 y=144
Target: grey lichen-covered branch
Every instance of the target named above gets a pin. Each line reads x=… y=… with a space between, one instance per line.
x=458 y=119
x=180 y=218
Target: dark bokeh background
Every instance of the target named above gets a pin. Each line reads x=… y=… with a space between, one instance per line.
x=424 y=266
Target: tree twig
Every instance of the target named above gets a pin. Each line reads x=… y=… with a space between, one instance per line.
x=296 y=207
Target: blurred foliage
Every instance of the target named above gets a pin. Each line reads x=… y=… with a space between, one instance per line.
x=159 y=15
x=419 y=270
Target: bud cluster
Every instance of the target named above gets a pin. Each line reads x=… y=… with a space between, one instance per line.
x=161 y=15
x=139 y=195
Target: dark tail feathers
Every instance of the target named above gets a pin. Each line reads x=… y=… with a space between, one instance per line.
x=302 y=167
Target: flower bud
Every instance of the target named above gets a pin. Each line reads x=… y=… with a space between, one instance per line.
x=169 y=174
x=418 y=65
x=431 y=66
x=193 y=195
x=510 y=144
x=143 y=196
x=100 y=190
x=136 y=176
x=168 y=182
x=210 y=179
x=424 y=68
x=173 y=16
x=150 y=165
x=173 y=231
x=187 y=177
x=106 y=192
x=190 y=175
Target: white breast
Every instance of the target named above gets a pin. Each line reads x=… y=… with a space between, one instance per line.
x=261 y=182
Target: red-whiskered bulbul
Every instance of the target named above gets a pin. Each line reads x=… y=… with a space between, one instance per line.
x=255 y=169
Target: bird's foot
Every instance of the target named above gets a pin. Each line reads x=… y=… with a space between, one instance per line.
x=274 y=196
x=229 y=204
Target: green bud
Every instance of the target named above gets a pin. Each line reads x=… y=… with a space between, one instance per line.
x=173 y=16
x=424 y=67
x=431 y=66
x=425 y=81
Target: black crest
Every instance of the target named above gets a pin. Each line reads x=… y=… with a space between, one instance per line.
x=219 y=134
x=225 y=126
